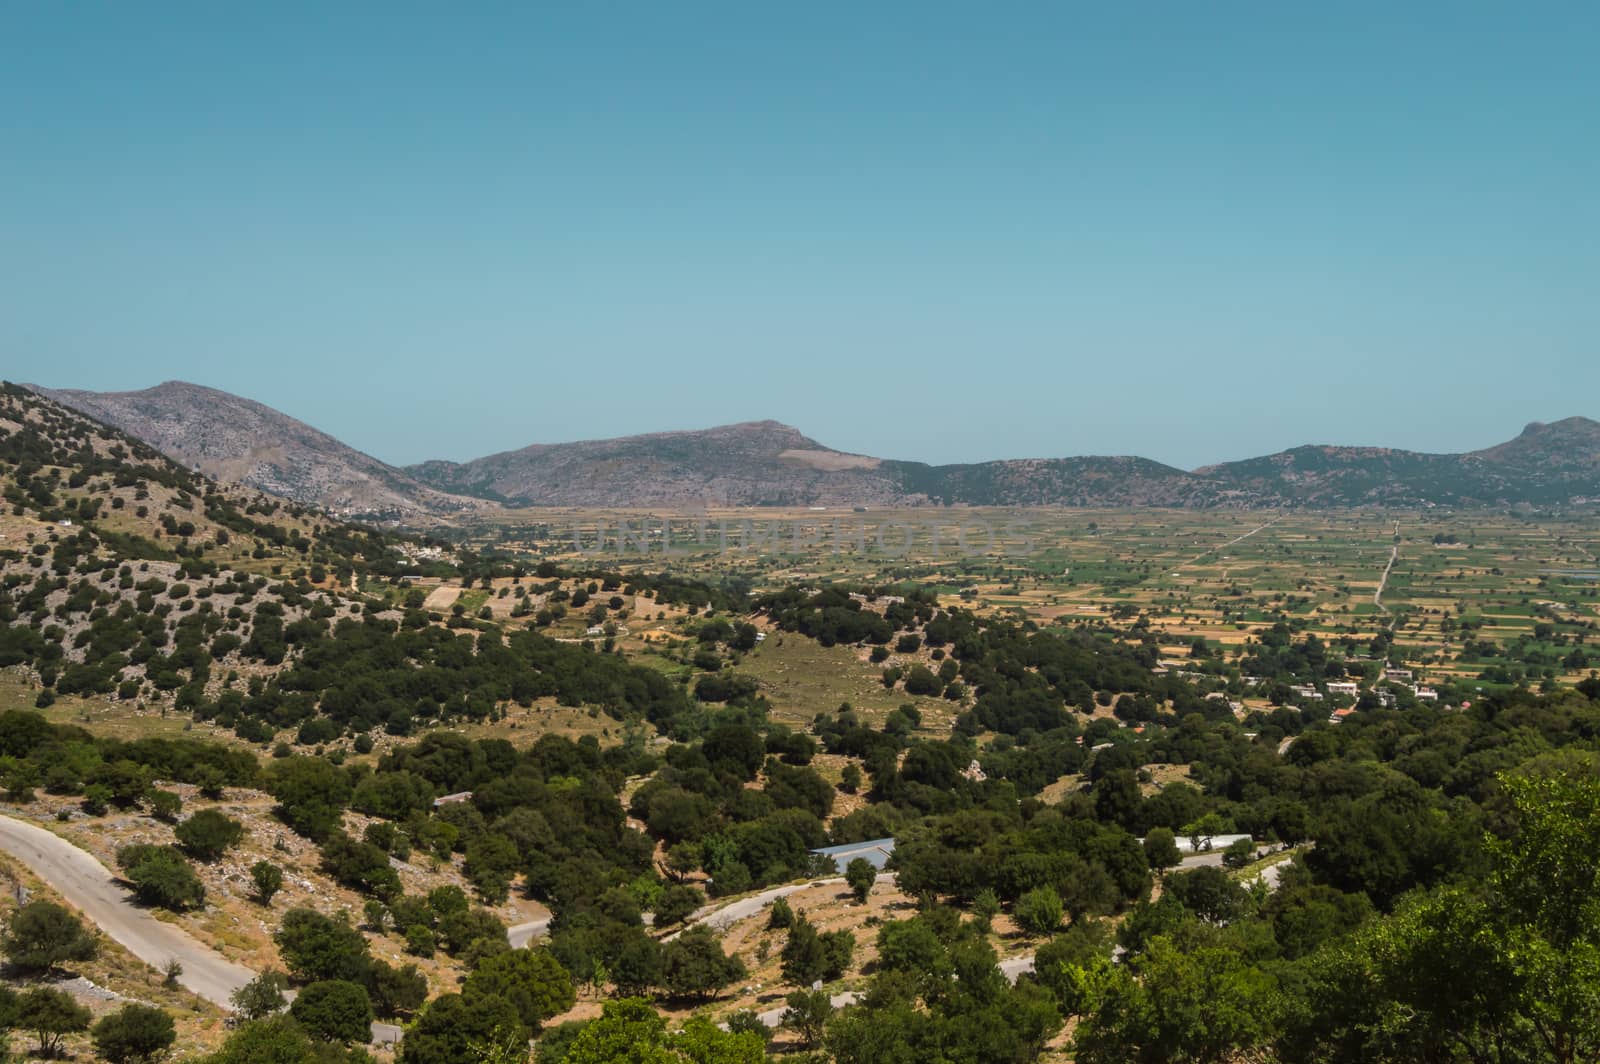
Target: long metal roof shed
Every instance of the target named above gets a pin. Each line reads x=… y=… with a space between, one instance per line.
x=875 y=851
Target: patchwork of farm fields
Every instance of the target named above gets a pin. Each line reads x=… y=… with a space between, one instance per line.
x=1498 y=598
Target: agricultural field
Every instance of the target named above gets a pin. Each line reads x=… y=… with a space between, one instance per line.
x=1497 y=598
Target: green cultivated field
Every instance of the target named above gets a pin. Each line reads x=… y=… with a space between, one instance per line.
x=1496 y=597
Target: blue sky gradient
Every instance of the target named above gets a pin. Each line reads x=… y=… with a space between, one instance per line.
x=947 y=232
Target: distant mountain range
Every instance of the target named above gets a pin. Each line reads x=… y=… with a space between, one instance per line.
x=765 y=463
x=236 y=440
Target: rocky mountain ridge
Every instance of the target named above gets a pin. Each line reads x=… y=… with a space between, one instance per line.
x=767 y=463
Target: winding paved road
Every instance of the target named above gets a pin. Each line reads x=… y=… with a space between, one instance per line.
x=520 y=935
x=88 y=886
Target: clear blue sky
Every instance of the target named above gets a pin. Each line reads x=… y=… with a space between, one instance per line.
x=921 y=230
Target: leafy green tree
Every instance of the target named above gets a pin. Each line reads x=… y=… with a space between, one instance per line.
x=780 y=915
x=1209 y=893
x=803 y=956
x=41 y=935
x=134 y=1034
x=396 y=991
x=913 y=947
x=268 y=880
x=1545 y=895
x=808 y=957
x=1074 y=964
x=316 y=948
x=850 y=778
x=1505 y=972
x=1161 y=848
x=1207 y=1005
x=165 y=806
x=532 y=981
x=634 y=961
x=807 y=1015
x=51 y=1015
x=312 y=794
x=421 y=941
x=274 y=1040
x=464 y=929
x=694 y=965
x=860 y=875
x=631 y=1030
x=1039 y=911
x=677 y=903
x=985 y=907
x=96 y=799
x=334 y=1010
x=208 y=834
x=453 y=1030
x=889 y=1032
x=261 y=996
x=161 y=876
x=1239 y=853
x=556 y=1041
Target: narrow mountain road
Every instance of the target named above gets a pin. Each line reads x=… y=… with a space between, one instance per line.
x=91 y=888
x=728 y=915
x=522 y=934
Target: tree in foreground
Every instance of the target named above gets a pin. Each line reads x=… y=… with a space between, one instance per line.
x=631 y=1030
x=334 y=1010
x=134 y=1034
x=276 y=1040
x=1205 y=1004
x=453 y=1029
x=531 y=981
x=1508 y=970
x=42 y=935
x=51 y=1015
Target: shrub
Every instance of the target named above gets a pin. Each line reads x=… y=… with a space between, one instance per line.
x=42 y=934
x=134 y=1034
x=334 y=1010
x=160 y=876
x=208 y=834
